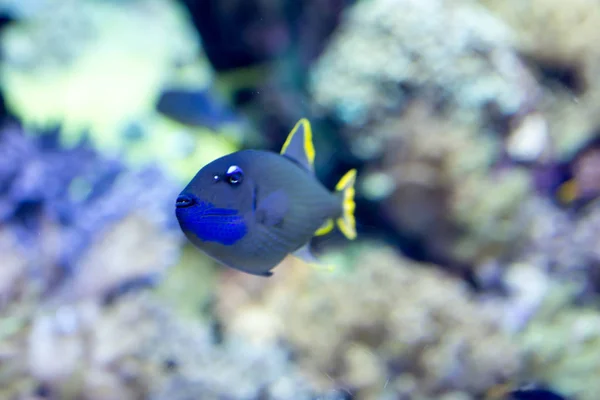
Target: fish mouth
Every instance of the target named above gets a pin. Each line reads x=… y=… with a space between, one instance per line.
x=204 y=209
x=184 y=201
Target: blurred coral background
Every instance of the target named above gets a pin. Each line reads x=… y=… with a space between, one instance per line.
x=475 y=129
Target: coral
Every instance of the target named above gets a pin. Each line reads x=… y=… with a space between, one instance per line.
x=558 y=39
x=435 y=104
x=181 y=151
x=66 y=46
x=188 y=286
x=76 y=348
x=233 y=369
x=427 y=111
x=565 y=244
x=75 y=228
x=67 y=207
x=437 y=182
x=65 y=65
x=138 y=348
x=78 y=231
x=13 y=266
x=383 y=326
x=434 y=49
x=134 y=248
x=553 y=298
x=562 y=346
x=494 y=221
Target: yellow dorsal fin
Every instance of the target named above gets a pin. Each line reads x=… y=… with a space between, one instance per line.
x=299 y=146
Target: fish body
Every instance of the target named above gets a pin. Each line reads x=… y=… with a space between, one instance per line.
x=250 y=209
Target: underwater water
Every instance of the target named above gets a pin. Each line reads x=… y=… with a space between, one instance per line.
x=474 y=130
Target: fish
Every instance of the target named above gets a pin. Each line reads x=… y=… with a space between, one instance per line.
x=525 y=392
x=195 y=108
x=250 y=209
x=535 y=394
x=579 y=181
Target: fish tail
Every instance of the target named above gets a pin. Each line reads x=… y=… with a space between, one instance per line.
x=346 y=222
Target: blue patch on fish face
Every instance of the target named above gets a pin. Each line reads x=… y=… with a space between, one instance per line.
x=209 y=223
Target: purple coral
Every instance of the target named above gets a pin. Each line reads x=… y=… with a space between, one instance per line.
x=76 y=190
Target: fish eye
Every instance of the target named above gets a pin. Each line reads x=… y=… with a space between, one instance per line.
x=234 y=175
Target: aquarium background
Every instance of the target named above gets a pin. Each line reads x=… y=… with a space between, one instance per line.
x=475 y=129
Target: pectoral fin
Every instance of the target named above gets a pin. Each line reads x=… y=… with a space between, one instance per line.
x=272 y=209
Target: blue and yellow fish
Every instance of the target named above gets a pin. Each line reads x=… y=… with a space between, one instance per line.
x=250 y=209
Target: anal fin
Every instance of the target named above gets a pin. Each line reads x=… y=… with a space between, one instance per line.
x=304 y=254
x=325 y=228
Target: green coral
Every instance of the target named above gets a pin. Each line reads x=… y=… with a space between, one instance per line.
x=180 y=150
x=456 y=50
x=134 y=247
x=490 y=209
x=65 y=65
x=426 y=110
x=560 y=36
x=382 y=327
x=189 y=285
x=562 y=345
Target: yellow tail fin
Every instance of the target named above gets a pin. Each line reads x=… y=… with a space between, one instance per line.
x=347 y=223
